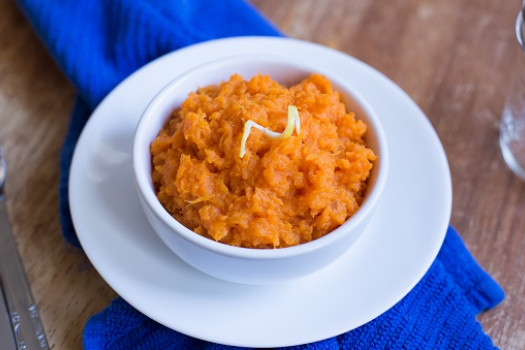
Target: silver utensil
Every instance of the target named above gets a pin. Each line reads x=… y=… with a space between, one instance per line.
x=25 y=321
x=6 y=331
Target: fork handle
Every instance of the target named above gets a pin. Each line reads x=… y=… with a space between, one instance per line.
x=27 y=327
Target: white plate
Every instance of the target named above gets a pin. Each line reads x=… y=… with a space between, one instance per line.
x=382 y=267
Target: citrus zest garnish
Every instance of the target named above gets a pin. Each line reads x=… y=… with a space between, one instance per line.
x=198 y=200
x=293 y=121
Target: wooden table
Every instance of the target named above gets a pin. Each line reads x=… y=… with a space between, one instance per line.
x=453 y=57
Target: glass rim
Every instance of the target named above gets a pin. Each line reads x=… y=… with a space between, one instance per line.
x=519 y=27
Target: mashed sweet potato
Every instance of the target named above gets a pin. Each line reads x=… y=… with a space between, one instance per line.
x=283 y=192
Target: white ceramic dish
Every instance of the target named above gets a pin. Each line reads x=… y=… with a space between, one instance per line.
x=235 y=264
x=383 y=266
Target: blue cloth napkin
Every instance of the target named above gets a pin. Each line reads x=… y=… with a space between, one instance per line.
x=98 y=43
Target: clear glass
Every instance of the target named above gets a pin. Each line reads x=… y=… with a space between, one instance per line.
x=512 y=128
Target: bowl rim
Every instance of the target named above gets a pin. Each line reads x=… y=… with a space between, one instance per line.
x=147 y=194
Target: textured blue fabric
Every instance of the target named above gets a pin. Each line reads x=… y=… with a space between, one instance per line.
x=97 y=43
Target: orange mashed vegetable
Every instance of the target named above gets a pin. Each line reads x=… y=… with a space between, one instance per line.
x=283 y=192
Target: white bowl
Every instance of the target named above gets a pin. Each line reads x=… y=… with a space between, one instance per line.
x=245 y=265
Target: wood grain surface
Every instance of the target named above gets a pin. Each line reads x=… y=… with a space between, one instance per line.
x=453 y=57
